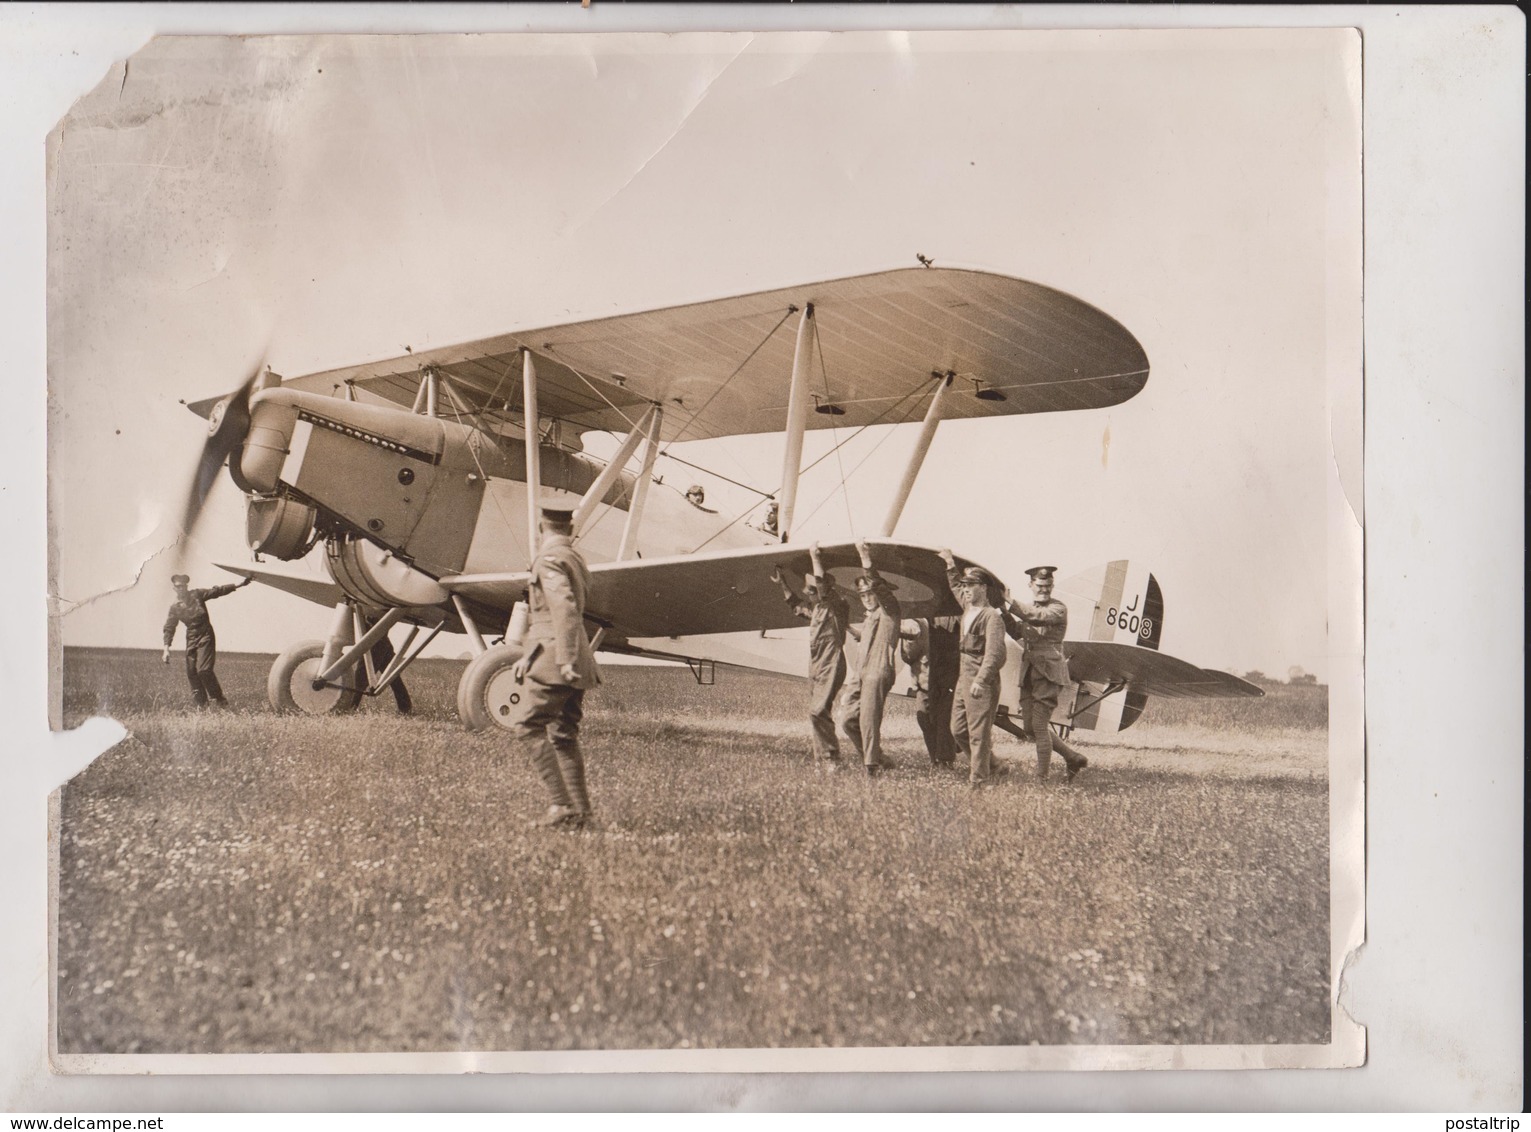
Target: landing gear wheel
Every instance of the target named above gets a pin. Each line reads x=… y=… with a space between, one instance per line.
x=488 y=693
x=290 y=686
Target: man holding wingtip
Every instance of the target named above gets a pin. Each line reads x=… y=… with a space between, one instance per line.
x=190 y=609
x=982 y=648
x=872 y=679
x=827 y=612
x=1040 y=627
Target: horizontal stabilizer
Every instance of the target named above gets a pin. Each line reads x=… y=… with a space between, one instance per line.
x=1150 y=673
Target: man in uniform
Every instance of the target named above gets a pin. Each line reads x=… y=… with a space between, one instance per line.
x=870 y=682
x=1044 y=668
x=556 y=670
x=982 y=648
x=929 y=648
x=190 y=609
x=827 y=612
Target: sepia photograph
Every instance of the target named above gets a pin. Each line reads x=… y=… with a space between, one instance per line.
x=710 y=551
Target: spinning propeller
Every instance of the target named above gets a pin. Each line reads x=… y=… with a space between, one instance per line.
x=227 y=426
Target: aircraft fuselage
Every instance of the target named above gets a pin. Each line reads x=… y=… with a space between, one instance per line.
x=446 y=497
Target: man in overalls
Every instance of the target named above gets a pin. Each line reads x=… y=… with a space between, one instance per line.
x=929 y=647
x=827 y=612
x=190 y=609
x=871 y=680
x=981 y=643
x=556 y=670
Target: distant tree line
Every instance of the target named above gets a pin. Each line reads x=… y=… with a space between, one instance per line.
x=1295 y=676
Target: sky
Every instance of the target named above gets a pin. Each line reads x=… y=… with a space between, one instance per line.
x=322 y=201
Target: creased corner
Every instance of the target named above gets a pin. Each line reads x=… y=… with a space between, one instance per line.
x=1347 y=472
x=692 y=104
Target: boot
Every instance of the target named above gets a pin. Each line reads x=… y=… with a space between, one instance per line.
x=1072 y=759
x=571 y=763
x=546 y=762
x=560 y=817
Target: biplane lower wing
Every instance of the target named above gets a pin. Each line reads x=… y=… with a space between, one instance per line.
x=320 y=590
x=757 y=652
x=729 y=591
x=1149 y=672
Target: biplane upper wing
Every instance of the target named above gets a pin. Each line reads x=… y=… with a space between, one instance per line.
x=1150 y=672
x=723 y=367
x=729 y=591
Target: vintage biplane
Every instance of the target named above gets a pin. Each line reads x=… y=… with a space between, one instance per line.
x=419 y=475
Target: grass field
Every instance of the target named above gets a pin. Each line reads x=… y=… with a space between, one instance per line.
x=239 y=882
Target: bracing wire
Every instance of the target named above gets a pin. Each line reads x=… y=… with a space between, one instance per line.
x=719 y=475
x=870 y=453
x=596 y=389
x=478 y=428
x=915 y=392
x=692 y=419
x=665 y=451
x=875 y=420
x=845 y=494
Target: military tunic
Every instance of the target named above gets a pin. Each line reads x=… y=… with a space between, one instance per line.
x=1044 y=672
x=828 y=617
x=872 y=678
x=550 y=709
x=201 y=643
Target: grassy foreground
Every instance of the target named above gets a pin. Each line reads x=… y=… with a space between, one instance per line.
x=241 y=882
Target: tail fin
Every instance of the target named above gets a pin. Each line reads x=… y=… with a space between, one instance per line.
x=1122 y=604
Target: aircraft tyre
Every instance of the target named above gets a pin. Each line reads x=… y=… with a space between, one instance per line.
x=487 y=691
x=290 y=686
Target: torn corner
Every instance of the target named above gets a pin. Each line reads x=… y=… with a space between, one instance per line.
x=1347 y=1034
x=74 y=750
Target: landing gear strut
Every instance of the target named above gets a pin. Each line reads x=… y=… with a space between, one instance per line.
x=330 y=677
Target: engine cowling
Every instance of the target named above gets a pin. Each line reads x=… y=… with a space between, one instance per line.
x=279 y=526
x=379 y=577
